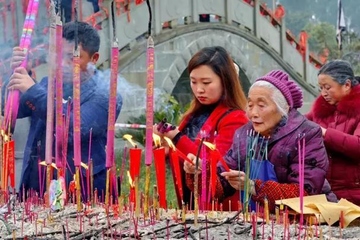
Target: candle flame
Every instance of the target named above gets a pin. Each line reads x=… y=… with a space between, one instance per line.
x=170 y=143
x=43 y=163
x=6 y=137
x=84 y=165
x=157 y=140
x=210 y=145
x=131 y=183
x=129 y=138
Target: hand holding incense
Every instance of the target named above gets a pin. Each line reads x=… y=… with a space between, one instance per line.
x=217 y=155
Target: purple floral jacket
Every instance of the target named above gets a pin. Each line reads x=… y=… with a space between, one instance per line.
x=283 y=154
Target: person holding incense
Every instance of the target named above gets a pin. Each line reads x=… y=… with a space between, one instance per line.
x=94 y=103
x=217 y=109
x=277 y=131
x=337 y=111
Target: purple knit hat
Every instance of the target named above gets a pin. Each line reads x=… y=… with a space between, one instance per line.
x=291 y=91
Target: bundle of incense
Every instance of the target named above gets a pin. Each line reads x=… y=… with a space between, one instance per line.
x=12 y=104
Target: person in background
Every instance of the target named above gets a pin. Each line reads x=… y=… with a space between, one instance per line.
x=337 y=111
x=272 y=106
x=95 y=4
x=217 y=108
x=94 y=102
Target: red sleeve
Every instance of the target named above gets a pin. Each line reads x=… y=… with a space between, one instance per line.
x=347 y=144
x=226 y=129
x=186 y=145
x=275 y=191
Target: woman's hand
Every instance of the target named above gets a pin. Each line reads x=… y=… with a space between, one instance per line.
x=235 y=178
x=165 y=129
x=191 y=168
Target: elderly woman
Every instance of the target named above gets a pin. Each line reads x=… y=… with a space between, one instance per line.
x=337 y=111
x=272 y=103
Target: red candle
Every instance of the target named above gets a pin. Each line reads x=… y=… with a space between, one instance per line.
x=135 y=159
x=216 y=154
x=177 y=175
x=160 y=167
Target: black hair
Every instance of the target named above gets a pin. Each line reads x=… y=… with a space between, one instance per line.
x=340 y=71
x=88 y=36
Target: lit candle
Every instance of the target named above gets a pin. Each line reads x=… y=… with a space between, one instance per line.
x=135 y=158
x=160 y=168
x=177 y=176
x=217 y=155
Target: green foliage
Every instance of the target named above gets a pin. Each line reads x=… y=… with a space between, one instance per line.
x=167 y=107
x=297 y=21
x=322 y=35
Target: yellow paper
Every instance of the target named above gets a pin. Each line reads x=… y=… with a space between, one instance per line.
x=294 y=203
x=325 y=211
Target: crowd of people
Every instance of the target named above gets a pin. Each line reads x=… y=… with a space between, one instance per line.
x=220 y=113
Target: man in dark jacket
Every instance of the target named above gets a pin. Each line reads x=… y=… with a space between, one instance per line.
x=94 y=101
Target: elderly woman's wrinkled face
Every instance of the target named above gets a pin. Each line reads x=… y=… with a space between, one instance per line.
x=262 y=110
x=331 y=90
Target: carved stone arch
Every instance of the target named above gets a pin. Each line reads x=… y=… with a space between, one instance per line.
x=178 y=67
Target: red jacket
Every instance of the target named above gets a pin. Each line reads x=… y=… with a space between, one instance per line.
x=342 y=142
x=226 y=127
x=226 y=124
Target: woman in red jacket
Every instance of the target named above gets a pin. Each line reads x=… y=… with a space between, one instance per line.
x=217 y=108
x=337 y=111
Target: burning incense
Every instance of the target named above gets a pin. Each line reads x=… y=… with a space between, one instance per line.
x=50 y=98
x=160 y=168
x=112 y=104
x=149 y=109
x=77 y=116
x=59 y=130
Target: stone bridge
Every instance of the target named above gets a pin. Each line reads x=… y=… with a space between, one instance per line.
x=255 y=43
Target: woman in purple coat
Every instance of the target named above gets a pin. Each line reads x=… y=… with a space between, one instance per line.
x=272 y=109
